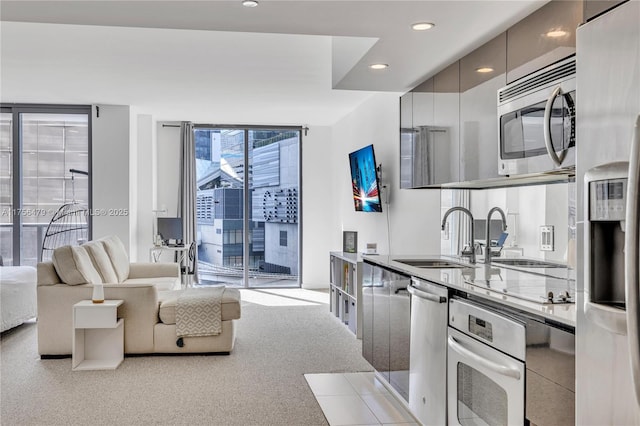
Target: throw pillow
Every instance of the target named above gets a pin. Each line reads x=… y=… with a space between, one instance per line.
x=74 y=266
x=101 y=261
x=118 y=255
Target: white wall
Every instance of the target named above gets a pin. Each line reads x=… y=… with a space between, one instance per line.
x=111 y=134
x=412 y=215
x=145 y=187
x=319 y=214
x=168 y=167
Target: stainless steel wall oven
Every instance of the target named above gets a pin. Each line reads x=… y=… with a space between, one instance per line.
x=505 y=367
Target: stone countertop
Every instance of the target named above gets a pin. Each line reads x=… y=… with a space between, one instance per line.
x=456 y=278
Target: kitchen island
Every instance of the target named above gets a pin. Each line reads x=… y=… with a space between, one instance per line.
x=459 y=278
x=482 y=340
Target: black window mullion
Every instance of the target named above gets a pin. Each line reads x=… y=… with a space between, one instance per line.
x=16 y=183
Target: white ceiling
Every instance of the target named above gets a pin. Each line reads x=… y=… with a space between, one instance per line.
x=283 y=62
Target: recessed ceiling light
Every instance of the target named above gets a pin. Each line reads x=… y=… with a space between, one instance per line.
x=249 y=3
x=422 y=26
x=378 y=66
x=484 y=69
x=557 y=33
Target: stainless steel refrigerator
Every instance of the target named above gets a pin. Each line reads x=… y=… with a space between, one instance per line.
x=607 y=107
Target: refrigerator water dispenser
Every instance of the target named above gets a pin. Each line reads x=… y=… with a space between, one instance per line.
x=606 y=187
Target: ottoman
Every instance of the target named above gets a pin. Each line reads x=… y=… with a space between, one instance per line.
x=165 y=337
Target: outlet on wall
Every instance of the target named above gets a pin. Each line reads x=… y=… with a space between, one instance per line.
x=546 y=238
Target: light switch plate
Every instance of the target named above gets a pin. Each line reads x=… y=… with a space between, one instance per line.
x=546 y=238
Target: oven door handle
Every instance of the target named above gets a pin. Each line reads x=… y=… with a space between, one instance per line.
x=631 y=250
x=548 y=141
x=496 y=368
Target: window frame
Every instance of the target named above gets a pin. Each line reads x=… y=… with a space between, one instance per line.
x=17 y=202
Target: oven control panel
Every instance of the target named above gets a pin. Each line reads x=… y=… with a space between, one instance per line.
x=488 y=326
x=481 y=328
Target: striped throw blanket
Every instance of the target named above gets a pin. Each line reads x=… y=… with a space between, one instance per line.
x=199 y=312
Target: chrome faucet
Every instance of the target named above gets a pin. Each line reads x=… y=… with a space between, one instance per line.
x=472 y=251
x=487 y=247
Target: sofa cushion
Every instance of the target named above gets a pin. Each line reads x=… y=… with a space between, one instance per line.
x=169 y=299
x=74 y=266
x=161 y=283
x=118 y=255
x=101 y=261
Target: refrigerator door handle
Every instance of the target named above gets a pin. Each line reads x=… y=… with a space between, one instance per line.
x=548 y=141
x=631 y=259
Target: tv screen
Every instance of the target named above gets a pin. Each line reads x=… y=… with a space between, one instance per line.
x=364 y=180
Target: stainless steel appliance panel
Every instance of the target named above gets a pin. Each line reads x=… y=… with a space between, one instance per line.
x=428 y=360
x=488 y=327
x=536 y=122
x=381 y=280
x=608 y=81
x=399 y=333
x=485 y=366
x=367 y=312
x=550 y=384
x=485 y=386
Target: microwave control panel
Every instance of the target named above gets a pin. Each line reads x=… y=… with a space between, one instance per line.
x=607 y=199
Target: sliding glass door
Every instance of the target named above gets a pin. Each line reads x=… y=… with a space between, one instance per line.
x=247 y=206
x=39 y=148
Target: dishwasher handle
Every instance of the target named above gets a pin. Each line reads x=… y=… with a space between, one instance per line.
x=424 y=295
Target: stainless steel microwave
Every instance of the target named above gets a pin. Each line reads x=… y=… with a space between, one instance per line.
x=536 y=122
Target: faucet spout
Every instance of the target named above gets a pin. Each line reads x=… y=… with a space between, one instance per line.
x=472 y=253
x=487 y=247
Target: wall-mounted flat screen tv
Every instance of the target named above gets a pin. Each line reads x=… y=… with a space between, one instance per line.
x=364 y=180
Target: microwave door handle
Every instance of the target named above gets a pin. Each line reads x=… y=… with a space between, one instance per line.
x=631 y=258
x=548 y=141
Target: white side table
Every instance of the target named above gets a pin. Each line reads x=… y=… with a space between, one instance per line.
x=98 y=336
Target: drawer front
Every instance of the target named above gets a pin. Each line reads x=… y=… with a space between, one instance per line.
x=95 y=317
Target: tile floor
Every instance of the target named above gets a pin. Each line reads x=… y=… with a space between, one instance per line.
x=357 y=399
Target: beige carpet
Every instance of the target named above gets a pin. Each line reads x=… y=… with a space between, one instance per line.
x=282 y=335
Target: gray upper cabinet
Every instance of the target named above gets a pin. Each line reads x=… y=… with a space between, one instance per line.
x=449 y=132
x=542 y=38
x=478 y=114
x=593 y=8
x=430 y=138
x=446 y=117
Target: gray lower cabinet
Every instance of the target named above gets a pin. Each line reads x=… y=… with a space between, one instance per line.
x=386 y=331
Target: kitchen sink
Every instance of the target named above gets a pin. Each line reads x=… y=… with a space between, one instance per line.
x=431 y=263
x=527 y=263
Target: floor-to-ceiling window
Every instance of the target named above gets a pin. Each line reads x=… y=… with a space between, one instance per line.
x=39 y=145
x=248 y=182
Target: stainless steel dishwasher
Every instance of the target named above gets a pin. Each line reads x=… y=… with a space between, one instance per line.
x=428 y=355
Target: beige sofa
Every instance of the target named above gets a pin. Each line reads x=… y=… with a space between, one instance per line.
x=149 y=291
